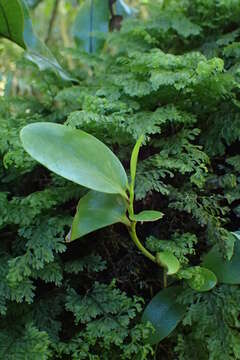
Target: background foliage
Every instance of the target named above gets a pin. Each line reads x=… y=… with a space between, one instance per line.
x=172 y=72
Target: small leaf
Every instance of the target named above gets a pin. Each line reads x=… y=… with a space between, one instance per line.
x=147 y=215
x=227 y=271
x=95 y=211
x=168 y=261
x=134 y=159
x=92 y=19
x=164 y=313
x=76 y=156
x=202 y=279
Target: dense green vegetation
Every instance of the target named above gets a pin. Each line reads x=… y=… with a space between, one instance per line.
x=172 y=74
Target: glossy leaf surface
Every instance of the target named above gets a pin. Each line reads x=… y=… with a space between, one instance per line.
x=147 y=215
x=76 y=156
x=12 y=21
x=16 y=25
x=92 y=20
x=227 y=272
x=96 y=210
x=169 y=261
x=164 y=313
x=202 y=279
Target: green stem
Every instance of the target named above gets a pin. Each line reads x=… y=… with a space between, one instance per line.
x=133 y=234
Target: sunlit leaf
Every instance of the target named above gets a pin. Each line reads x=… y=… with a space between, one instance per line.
x=202 y=279
x=75 y=155
x=147 y=215
x=168 y=261
x=164 y=313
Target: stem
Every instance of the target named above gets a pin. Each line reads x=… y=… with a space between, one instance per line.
x=52 y=20
x=164 y=278
x=133 y=234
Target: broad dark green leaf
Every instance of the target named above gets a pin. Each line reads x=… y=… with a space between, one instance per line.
x=76 y=156
x=227 y=272
x=147 y=215
x=168 y=261
x=12 y=21
x=16 y=25
x=164 y=313
x=97 y=210
x=202 y=279
x=134 y=159
x=92 y=20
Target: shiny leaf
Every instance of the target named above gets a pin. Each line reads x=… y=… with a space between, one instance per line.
x=202 y=279
x=97 y=210
x=227 y=271
x=164 y=313
x=168 y=261
x=92 y=20
x=147 y=215
x=16 y=25
x=75 y=155
x=12 y=21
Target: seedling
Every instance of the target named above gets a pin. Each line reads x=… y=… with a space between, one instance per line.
x=83 y=159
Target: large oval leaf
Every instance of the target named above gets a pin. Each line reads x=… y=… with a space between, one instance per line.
x=164 y=313
x=16 y=25
x=76 y=156
x=92 y=19
x=97 y=210
x=168 y=261
x=227 y=272
x=202 y=279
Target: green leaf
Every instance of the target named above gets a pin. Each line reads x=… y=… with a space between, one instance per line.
x=92 y=20
x=147 y=215
x=12 y=21
x=164 y=313
x=134 y=159
x=168 y=261
x=38 y=52
x=97 y=210
x=202 y=279
x=16 y=25
x=227 y=271
x=76 y=156
x=123 y=9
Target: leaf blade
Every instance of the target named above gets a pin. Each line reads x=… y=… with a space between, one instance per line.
x=169 y=261
x=147 y=215
x=204 y=280
x=92 y=18
x=97 y=210
x=164 y=313
x=76 y=156
x=227 y=271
